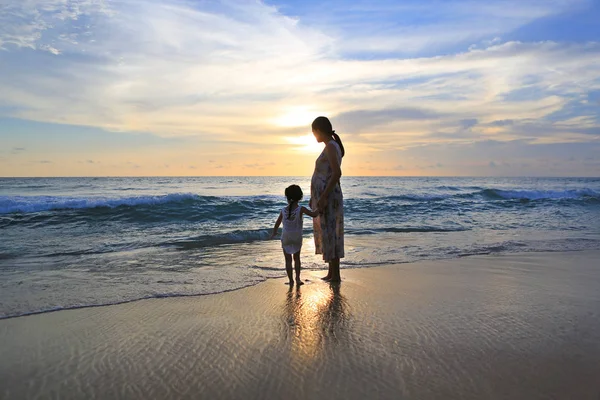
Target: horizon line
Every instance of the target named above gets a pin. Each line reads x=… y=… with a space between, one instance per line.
x=299 y=176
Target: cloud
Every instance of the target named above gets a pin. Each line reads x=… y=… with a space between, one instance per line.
x=359 y=120
x=17 y=150
x=504 y=122
x=468 y=123
x=480 y=78
x=133 y=165
x=151 y=56
x=259 y=165
x=511 y=158
x=432 y=166
x=45 y=162
x=34 y=24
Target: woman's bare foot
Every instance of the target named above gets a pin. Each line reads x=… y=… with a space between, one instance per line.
x=326 y=278
x=299 y=282
x=291 y=283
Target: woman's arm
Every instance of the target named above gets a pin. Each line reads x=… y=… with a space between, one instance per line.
x=311 y=213
x=276 y=227
x=335 y=174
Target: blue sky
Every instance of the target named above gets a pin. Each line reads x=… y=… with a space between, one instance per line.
x=176 y=87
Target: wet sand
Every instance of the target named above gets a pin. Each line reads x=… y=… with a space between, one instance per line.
x=491 y=327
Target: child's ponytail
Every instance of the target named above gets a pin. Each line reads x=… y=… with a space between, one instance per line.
x=293 y=194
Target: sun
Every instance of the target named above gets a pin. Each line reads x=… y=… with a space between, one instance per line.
x=305 y=143
x=299 y=116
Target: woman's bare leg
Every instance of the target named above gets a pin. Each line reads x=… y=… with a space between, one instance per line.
x=328 y=276
x=334 y=267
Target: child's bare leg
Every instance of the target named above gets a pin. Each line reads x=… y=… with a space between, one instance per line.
x=288 y=267
x=297 y=267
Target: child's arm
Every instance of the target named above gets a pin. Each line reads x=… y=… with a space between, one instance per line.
x=276 y=227
x=312 y=213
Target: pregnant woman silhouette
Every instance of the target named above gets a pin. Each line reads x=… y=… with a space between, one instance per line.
x=326 y=195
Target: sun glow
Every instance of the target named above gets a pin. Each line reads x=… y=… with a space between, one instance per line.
x=305 y=143
x=295 y=116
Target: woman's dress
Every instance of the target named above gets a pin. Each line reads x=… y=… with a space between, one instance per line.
x=329 y=225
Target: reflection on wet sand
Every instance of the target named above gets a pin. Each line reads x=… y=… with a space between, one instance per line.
x=313 y=318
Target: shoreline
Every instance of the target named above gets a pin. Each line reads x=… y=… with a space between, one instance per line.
x=519 y=326
x=344 y=268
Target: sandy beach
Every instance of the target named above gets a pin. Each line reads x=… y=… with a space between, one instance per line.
x=523 y=326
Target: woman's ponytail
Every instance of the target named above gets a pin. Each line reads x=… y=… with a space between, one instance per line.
x=337 y=138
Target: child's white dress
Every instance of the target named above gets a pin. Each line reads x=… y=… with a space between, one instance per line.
x=291 y=237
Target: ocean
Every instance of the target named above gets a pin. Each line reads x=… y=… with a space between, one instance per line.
x=78 y=242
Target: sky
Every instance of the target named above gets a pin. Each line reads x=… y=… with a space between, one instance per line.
x=197 y=88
